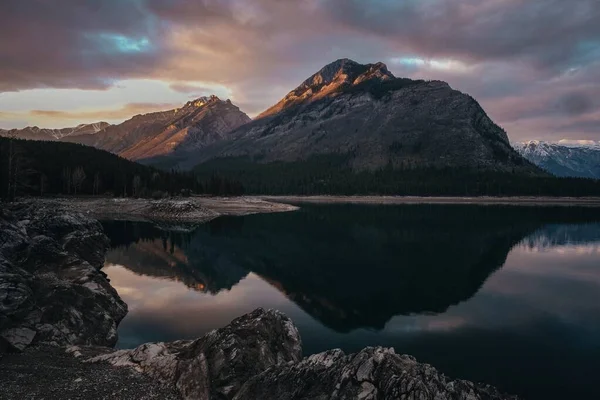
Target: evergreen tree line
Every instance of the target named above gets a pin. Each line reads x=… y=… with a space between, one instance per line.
x=330 y=174
x=30 y=168
x=35 y=168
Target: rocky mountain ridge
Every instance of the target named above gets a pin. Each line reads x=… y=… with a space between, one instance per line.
x=198 y=123
x=329 y=80
x=36 y=133
x=361 y=111
x=378 y=120
x=194 y=125
x=563 y=160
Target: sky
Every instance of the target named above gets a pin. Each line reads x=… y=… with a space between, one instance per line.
x=534 y=65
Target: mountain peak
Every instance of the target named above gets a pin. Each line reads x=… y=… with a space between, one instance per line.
x=329 y=80
x=203 y=100
x=329 y=72
x=347 y=71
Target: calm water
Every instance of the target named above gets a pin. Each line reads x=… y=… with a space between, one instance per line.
x=508 y=296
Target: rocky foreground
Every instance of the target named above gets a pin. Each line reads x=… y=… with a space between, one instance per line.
x=59 y=314
x=51 y=287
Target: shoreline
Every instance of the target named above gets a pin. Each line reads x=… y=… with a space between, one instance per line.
x=200 y=209
x=400 y=200
x=67 y=328
x=193 y=210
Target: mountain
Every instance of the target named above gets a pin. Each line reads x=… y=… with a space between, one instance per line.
x=198 y=123
x=378 y=119
x=581 y=161
x=328 y=81
x=35 y=133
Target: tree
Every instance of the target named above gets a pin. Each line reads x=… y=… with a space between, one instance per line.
x=96 y=184
x=19 y=171
x=10 y=157
x=43 y=183
x=78 y=177
x=124 y=185
x=136 y=185
x=66 y=178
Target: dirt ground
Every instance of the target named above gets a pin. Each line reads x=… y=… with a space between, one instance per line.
x=50 y=373
x=190 y=209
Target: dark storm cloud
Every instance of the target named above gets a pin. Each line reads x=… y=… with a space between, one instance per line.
x=550 y=33
x=576 y=103
x=74 y=43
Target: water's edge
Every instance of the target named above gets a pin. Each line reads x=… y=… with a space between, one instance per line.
x=80 y=236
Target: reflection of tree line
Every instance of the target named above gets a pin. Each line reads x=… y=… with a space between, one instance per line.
x=127 y=233
x=357 y=266
x=553 y=235
x=147 y=249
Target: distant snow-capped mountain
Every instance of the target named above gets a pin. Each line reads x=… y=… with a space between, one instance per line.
x=564 y=159
x=36 y=133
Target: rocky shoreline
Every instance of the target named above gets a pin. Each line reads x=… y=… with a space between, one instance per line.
x=59 y=317
x=52 y=289
x=185 y=210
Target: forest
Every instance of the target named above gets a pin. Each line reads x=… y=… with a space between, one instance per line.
x=330 y=174
x=33 y=168
x=30 y=168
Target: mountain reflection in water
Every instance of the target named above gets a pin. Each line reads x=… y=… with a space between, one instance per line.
x=352 y=276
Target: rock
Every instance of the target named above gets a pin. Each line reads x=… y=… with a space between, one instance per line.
x=51 y=287
x=373 y=373
x=53 y=292
x=258 y=356
x=19 y=338
x=218 y=364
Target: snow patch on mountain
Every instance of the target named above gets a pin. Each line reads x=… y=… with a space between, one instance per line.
x=567 y=158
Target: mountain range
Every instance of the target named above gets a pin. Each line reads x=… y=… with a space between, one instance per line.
x=198 y=123
x=36 y=133
x=361 y=113
x=579 y=161
x=376 y=119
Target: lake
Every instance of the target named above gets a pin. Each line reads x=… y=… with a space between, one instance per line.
x=509 y=296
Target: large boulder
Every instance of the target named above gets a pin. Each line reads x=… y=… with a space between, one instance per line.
x=218 y=364
x=258 y=356
x=51 y=287
x=371 y=374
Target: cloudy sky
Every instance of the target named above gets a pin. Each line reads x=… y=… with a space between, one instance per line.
x=533 y=64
